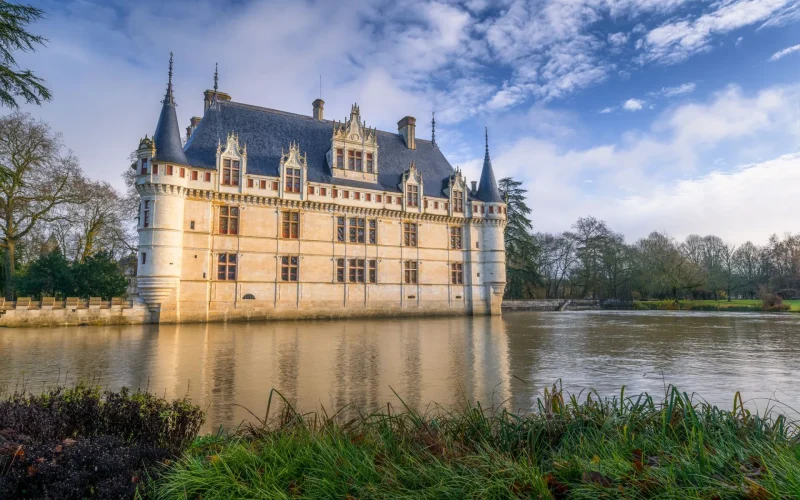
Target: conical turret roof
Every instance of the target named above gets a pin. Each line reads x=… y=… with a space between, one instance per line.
x=487 y=189
x=167 y=137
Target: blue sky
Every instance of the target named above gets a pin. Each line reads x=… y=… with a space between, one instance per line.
x=674 y=115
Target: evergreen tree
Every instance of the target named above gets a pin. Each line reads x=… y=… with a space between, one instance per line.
x=99 y=276
x=521 y=272
x=49 y=275
x=14 y=81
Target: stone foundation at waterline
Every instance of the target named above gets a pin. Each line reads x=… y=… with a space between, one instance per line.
x=134 y=314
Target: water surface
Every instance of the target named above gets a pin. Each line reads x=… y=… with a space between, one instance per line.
x=507 y=360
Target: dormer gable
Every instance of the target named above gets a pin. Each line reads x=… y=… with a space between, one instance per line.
x=293 y=172
x=354 y=149
x=412 y=187
x=456 y=192
x=231 y=162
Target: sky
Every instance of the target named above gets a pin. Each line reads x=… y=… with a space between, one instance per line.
x=673 y=115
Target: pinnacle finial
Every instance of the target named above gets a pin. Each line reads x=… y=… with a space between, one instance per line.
x=216 y=77
x=168 y=98
x=487 y=142
x=433 y=128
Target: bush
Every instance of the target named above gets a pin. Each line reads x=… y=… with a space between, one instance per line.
x=772 y=302
x=82 y=443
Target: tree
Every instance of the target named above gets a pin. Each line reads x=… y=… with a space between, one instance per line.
x=48 y=275
x=16 y=82
x=41 y=177
x=520 y=245
x=669 y=264
x=99 y=275
x=591 y=236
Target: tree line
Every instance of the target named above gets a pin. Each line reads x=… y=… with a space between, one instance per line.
x=590 y=260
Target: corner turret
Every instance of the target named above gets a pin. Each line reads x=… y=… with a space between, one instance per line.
x=167 y=138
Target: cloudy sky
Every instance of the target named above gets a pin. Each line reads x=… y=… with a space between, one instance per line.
x=676 y=115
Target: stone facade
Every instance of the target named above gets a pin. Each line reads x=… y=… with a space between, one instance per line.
x=346 y=228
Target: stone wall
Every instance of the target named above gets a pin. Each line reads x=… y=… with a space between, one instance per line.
x=36 y=316
x=551 y=305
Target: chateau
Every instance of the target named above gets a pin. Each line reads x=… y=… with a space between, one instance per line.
x=265 y=214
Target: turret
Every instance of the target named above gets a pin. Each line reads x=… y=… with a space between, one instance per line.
x=161 y=215
x=493 y=228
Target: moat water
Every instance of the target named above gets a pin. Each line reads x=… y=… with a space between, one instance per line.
x=229 y=369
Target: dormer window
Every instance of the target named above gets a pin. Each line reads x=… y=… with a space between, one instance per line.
x=292 y=180
x=354 y=160
x=340 y=158
x=230 y=172
x=370 y=163
x=412 y=195
x=458 y=201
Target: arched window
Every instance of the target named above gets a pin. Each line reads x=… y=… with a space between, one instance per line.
x=249 y=296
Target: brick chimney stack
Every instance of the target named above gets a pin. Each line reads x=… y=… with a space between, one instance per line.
x=407 y=127
x=319 y=106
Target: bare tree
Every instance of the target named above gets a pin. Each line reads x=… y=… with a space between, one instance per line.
x=41 y=177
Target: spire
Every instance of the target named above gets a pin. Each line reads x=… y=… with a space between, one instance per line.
x=167 y=137
x=433 y=129
x=216 y=78
x=487 y=190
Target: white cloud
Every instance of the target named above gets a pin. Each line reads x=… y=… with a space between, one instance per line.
x=677 y=40
x=739 y=41
x=617 y=39
x=668 y=92
x=785 y=52
x=633 y=105
x=605 y=111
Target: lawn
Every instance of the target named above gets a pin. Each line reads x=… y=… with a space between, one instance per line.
x=710 y=305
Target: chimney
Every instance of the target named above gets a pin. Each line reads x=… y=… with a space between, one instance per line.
x=319 y=106
x=208 y=97
x=407 y=126
x=474 y=187
x=193 y=122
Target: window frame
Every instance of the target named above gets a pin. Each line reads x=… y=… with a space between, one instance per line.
x=458 y=201
x=290 y=268
x=356 y=270
x=410 y=234
x=290 y=224
x=146 y=214
x=231 y=220
x=457 y=273
x=410 y=272
x=412 y=195
x=341 y=228
x=292 y=179
x=227 y=266
x=456 y=238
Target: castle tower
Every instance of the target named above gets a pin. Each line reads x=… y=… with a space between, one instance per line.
x=161 y=212
x=493 y=255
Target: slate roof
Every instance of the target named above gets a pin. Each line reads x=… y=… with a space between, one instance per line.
x=266 y=131
x=487 y=188
x=167 y=137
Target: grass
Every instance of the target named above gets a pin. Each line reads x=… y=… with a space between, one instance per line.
x=622 y=447
x=710 y=305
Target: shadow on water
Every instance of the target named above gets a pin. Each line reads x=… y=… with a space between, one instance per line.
x=507 y=360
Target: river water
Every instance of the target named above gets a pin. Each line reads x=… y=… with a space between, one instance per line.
x=229 y=369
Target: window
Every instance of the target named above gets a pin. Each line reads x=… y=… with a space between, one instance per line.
x=169 y=169
x=373 y=271
x=249 y=296
x=482 y=208
x=226 y=267
x=455 y=238
x=340 y=270
x=409 y=234
x=146 y=213
x=436 y=205
x=457 y=273
x=446 y=205
x=346 y=195
x=230 y=172
x=340 y=229
x=289 y=267
x=155 y=169
x=378 y=198
x=310 y=189
x=274 y=186
x=262 y=184
x=339 y=158
x=292 y=180
x=358 y=195
x=323 y=191
x=356 y=270
x=475 y=208
x=412 y=195
x=425 y=202
x=182 y=172
x=191 y=224
x=144 y=258
x=397 y=200
x=356 y=230
x=291 y=225
x=249 y=183
x=458 y=201
x=370 y=163
x=194 y=175
x=369 y=196
x=354 y=160
x=491 y=210
x=228 y=220
x=144 y=166
x=410 y=274
x=373 y=231
x=207 y=177
x=335 y=193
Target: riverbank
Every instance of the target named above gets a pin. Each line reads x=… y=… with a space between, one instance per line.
x=711 y=305
x=569 y=448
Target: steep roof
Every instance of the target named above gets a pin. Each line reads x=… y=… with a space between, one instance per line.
x=487 y=189
x=266 y=132
x=167 y=137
